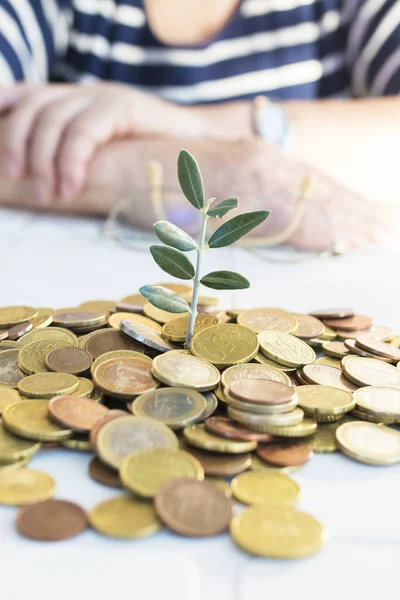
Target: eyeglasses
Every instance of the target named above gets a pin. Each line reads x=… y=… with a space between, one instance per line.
x=122 y=227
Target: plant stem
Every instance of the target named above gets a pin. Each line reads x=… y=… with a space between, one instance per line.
x=196 y=283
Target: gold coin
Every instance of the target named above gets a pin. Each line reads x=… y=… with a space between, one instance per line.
x=179 y=369
x=156 y=314
x=178 y=288
x=14 y=315
x=264 y=422
x=369 y=371
x=264 y=360
x=125 y=517
x=177 y=329
x=175 y=407
x=85 y=388
x=329 y=361
x=324 y=375
x=319 y=400
x=382 y=402
x=43 y=319
x=250 y=371
x=49 y=333
x=259 y=465
x=133 y=299
x=30 y=420
x=31 y=358
x=8 y=396
x=15 y=465
x=103 y=306
x=309 y=327
x=335 y=349
x=198 y=436
x=271 y=319
x=328 y=334
x=269 y=489
x=222 y=484
x=23 y=486
x=281 y=532
x=286 y=349
x=145 y=471
x=9 y=371
x=225 y=344
x=124 y=378
x=323 y=441
x=47 y=385
x=78 y=443
x=118 y=354
x=120 y=437
x=146 y=335
x=8 y=345
x=262 y=409
x=369 y=443
x=13 y=449
x=362 y=415
x=115 y=319
x=303 y=429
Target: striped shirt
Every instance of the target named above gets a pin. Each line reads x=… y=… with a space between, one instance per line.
x=286 y=49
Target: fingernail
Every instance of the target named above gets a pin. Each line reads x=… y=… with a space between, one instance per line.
x=13 y=167
x=67 y=191
x=42 y=190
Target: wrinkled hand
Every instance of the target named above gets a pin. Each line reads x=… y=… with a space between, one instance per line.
x=50 y=133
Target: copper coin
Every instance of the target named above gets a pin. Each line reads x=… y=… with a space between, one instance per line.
x=74 y=412
x=227 y=428
x=300 y=377
x=131 y=308
x=378 y=348
x=125 y=377
x=352 y=346
x=260 y=391
x=333 y=313
x=110 y=416
x=215 y=463
x=103 y=474
x=193 y=508
x=69 y=359
x=14 y=333
x=108 y=340
x=309 y=327
x=285 y=453
x=51 y=520
x=355 y=323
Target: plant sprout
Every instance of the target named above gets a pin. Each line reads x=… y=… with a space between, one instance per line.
x=171 y=255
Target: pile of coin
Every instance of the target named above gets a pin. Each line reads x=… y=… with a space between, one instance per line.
x=184 y=431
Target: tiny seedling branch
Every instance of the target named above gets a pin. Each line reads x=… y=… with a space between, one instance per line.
x=171 y=256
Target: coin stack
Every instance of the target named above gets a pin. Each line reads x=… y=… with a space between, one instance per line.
x=183 y=430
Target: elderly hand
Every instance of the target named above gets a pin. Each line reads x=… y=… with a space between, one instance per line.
x=50 y=133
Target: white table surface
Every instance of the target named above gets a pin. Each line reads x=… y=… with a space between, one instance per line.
x=60 y=262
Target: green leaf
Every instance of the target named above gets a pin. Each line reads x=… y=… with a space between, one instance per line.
x=174 y=236
x=190 y=179
x=220 y=209
x=164 y=299
x=225 y=280
x=173 y=262
x=234 y=229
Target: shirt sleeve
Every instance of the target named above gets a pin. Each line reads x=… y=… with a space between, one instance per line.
x=33 y=33
x=373 y=47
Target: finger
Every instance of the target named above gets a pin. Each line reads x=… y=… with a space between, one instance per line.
x=19 y=125
x=11 y=96
x=45 y=139
x=93 y=128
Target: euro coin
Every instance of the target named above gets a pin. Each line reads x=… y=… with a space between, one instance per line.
x=24 y=486
x=146 y=335
x=335 y=349
x=319 y=401
x=383 y=402
x=124 y=517
x=118 y=354
x=85 y=388
x=30 y=420
x=177 y=329
x=308 y=326
x=369 y=371
x=179 y=369
x=73 y=412
x=211 y=406
x=197 y=435
x=17 y=331
x=261 y=319
x=193 y=508
x=53 y=333
x=69 y=360
x=115 y=320
x=47 y=385
x=333 y=313
x=279 y=532
x=264 y=360
x=377 y=347
x=286 y=349
x=225 y=344
x=51 y=520
x=261 y=392
x=369 y=443
x=10 y=373
x=225 y=427
x=124 y=378
x=328 y=376
x=304 y=428
x=219 y=464
x=13 y=449
x=103 y=306
x=285 y=453
x=175 y=407
x=109 y=340
x=109 y=416
x=250 y=371
x=32 y=356
x=78 y=318
x=354 y=349
x=13 y=315
x=145 y=471
x=269 y=489
x=103 y=474
x=263 y=422
x=156 y=314
x=259 y=409
x=329 y=361
x=122 y=436
x=8 y=396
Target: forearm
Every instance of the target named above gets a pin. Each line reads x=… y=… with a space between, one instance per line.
x=353 y=141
